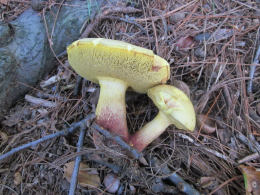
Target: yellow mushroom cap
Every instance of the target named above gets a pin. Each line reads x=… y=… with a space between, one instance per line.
x=140 y=68
x=175 y=104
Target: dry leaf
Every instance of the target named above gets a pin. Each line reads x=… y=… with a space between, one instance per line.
x=17 y=178
x=252 y=180
x=86 y=177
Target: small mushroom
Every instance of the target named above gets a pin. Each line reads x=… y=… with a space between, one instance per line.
x=116 y=65
x=174 y=108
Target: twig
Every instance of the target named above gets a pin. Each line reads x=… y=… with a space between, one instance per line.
x=103 y=14
x=40 y=94
x=254 y=142
x=56 y=17
x=50 y=81
x=252 y=70
x=40 y=102
x=177 y=180
x=118 y=140
x=225 y=183
x=228 y=99
x=64 y=132
x=182 y=185
x=156 y=38
x=249 y=142
x=165 y=27
x=12 y=141
x=77 y=85
x=246 y=5
x=74 y=177
x=50 y=41
x=159 y=187
x=224 y=157
x=254 y=117
x=249 y=158
x=168 y=14
x=127 y=20
x=5 y=186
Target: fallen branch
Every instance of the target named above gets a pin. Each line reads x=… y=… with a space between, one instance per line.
x=65 y=132
x=74 y=177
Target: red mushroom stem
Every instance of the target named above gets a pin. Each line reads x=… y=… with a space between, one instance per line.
x=111 y=110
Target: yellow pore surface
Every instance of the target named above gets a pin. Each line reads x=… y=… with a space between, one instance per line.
x=175 y=104
x=140 y=68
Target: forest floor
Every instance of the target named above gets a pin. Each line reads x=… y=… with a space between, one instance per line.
x=210 y=45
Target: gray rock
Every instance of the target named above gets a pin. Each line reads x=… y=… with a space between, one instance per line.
x=6 y=32
x=25 y=55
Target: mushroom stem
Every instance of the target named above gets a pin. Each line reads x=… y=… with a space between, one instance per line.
x=150 y=132
x=111 y=109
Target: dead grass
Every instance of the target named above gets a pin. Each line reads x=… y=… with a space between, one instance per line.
x=216 y=72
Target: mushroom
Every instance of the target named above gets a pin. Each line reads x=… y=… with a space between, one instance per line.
x=115 y=66
x=174 y=108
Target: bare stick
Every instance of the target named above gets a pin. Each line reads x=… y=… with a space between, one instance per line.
x=252 y=70
x=177 y=180
x=249 y=158
x=250 y=142
x=40 y=102
x=74 y=177
x=254 y=142
x=72 y=128
x=77 y=86
x=50 y=81
x=182 y=185
x=43 y=95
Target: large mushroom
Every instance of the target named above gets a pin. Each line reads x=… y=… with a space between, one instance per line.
x=174 y=108
x=116 y=65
